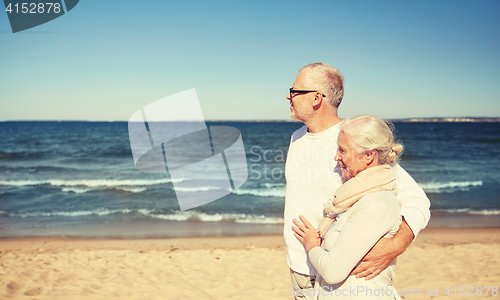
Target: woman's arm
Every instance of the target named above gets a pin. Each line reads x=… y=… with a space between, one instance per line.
x=370 y=219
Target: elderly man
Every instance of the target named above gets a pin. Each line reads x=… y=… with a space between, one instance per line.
x=313 y=176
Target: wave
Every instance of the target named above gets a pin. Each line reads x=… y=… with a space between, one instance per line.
x=87 y=185
x=273 y=192
x=274 y=185
x=196 y=189
x=204 y=217
x=140 y=185
x=469 y=211
x=449 y=187
x=76 y=190
x=158 y=214
x=133 y=190
x=269 y=190
x=97 y=212
x=90 y=182
x=36 y=168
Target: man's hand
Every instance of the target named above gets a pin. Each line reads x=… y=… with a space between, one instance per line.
x=384 y=252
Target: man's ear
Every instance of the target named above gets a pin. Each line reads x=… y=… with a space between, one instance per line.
x=318 y=99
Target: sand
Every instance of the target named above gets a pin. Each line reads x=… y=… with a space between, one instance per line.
x=228 y=268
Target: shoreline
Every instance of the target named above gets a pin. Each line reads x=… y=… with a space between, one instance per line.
x=442 y=236
x=167 y=229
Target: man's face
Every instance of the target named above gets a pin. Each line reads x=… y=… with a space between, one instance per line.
x=301 y=104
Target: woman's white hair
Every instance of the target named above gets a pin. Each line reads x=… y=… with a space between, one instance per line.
x=368 y=133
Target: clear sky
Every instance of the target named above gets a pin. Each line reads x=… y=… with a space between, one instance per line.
x=104 y=60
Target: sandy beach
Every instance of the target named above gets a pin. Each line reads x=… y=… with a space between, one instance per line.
x=229 y=268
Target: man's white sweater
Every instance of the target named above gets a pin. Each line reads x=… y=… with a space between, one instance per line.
x=313 y=176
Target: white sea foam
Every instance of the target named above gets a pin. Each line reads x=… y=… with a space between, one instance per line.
x=261 y=220
x=75 y=190
x=157 y=214
x=470 y=211
x=133 y=190
x=90 y=182
x=203 y=217
x=189 y=216
x=86 y=185
x=196 y=189
x=273 y=192
x=193 y=215
x=274 y=185
x=485 y=212
x=97 y=212
x=79 y=190
x=449 y=187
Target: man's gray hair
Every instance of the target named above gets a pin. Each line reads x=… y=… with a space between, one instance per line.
x=327 y=79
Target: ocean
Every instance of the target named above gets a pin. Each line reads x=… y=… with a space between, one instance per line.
x=78 y=179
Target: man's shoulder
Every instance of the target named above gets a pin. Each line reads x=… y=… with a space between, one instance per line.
x=401 y=174
x=329 y=134
x=297 y=134
x=406 y=183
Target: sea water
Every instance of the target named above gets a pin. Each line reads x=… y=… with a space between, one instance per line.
x=78 y=179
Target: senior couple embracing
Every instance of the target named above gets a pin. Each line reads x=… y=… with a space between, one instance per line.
x=350 y=209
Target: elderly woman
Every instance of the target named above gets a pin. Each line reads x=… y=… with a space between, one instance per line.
x=363 y=210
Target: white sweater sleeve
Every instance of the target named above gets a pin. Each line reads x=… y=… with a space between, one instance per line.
x=413 y=201
x=370 y=219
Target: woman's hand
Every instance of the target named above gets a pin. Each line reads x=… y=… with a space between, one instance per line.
x=306 y=233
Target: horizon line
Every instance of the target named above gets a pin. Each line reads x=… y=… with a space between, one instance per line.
x=410 y=119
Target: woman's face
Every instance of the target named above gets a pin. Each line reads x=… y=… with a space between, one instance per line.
x=349 y=159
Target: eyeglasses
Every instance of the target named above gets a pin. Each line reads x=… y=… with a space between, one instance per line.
x=294 y=92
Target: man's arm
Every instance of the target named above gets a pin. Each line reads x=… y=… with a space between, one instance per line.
x=384 y=252
x=368 y=220
x=415 y=211
x=413 y=201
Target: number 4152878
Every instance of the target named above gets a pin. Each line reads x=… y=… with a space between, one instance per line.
x=472 y=291
x=33 y=8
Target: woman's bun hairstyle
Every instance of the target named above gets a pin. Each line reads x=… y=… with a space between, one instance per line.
x=372 y=133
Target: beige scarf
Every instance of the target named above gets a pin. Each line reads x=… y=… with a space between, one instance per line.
x=374 y=179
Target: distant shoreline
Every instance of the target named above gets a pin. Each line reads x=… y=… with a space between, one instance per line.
x=448 y=120
x=406 y=120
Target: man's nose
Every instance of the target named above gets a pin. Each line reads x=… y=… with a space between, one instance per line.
x=337 y=156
